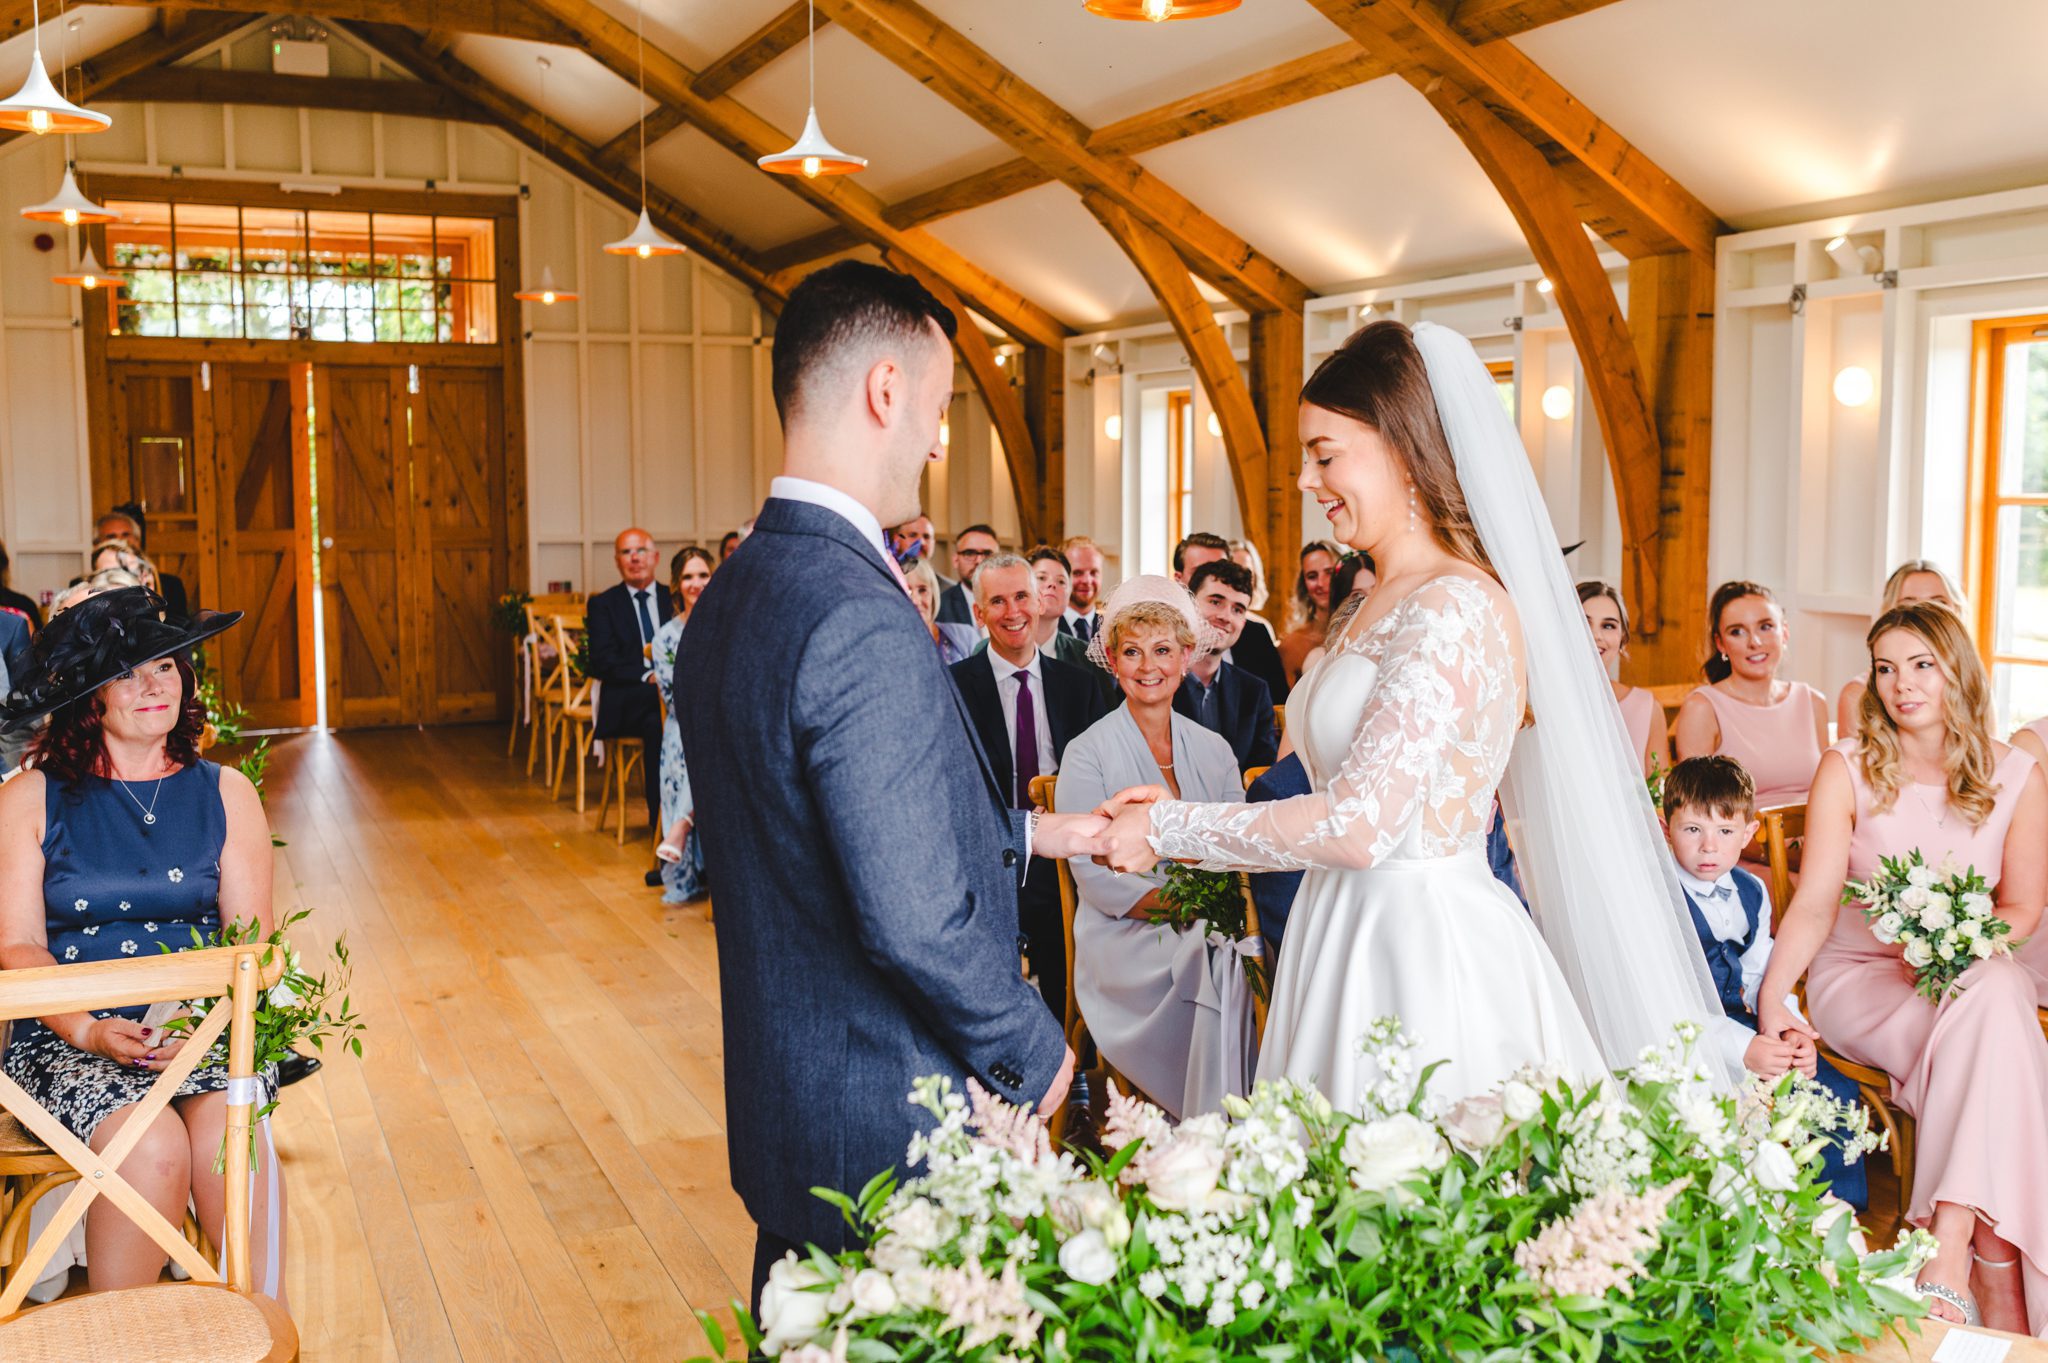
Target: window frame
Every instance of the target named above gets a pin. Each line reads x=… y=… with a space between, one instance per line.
x=1991 y=339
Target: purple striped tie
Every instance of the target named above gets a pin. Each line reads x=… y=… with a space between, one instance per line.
x=1026 y=741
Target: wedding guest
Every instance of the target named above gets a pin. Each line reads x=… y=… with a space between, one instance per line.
x=954 y=641
x=1917 y=579
x=1055 y=577
x=621 y=622
x=14 y=657
x=1607 y=617
x=118 y=841
x=680 y=855
x=916 y=538
x=972 y=547
x=727 y=544
x=1246 y=555
x=1167 y=1009
x=1256 y=650
x=1026 y=708
x=1219 y=695
x=126 y=523
x=1350 y=585
x=1709 y=817
x=2032 y=739
x=1195 y=550
x=1923 y=773
x=1776 y=729
x=82 y=588
x=23 y=605
x=116 y=553
x=1084 y=559
x=1319 y=562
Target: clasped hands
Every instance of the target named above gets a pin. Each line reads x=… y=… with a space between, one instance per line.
x=1783 y=1042
x=1115 y=835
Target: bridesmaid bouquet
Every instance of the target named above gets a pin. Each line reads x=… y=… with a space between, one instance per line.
x=1216 y=901
x=1944 y=919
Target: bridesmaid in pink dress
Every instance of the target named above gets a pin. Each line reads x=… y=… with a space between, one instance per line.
x=1917 y=579
x=2032 y=738
x=1775 y=729
x=1924 y=773
x=1607 y=617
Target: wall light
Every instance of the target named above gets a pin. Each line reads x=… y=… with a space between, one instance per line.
x=1557 y=402
x=1544 y=285
x=1854 y=260
x=945 y=432
x=1215 y=426
x=1854 y=386
x=1113 y=428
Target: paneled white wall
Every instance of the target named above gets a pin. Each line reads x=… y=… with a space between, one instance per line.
x=646 y=402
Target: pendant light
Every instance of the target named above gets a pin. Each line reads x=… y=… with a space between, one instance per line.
x=1159 y=11
x=88 y=274
x=70 y=207
x=547 y=292
x=812 y=155
x=37 y=107
x=646 y=240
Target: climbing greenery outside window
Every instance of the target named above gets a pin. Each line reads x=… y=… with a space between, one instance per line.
x=232 y=271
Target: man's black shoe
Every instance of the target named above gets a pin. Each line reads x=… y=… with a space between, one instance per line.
x=295 y=1067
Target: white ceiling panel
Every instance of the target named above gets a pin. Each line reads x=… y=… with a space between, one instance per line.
x=582 y=95
x=1767 y=109
x=1361 y=184
x=1047 y=246
x=99 y=28
x=732 y=193
x=1101 y=70
x=698 y=32
x=913 y=139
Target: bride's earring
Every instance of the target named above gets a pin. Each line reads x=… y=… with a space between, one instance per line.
x=1414 y=515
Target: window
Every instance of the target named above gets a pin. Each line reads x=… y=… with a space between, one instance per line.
x=2011 y=561
x=1503 y=372
x=1180 y=464
x=222 y=270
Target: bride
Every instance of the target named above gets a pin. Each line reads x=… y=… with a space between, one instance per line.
x=1407 y=727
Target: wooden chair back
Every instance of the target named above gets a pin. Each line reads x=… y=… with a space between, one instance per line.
x=1041 y=792
x=569 y=685
x=1280 y=719
x=1252 y=774
x=1670 y=696
x=1783 y=827
x=238 y=974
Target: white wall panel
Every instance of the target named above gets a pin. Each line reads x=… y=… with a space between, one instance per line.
x=415 y=148
x=265 y=139
x=190 y=135
x=608 y=431
x=343 y=143
x=726 y=461
x=554 y=441
x=667 y=498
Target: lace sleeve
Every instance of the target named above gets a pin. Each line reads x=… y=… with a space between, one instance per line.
x=1426 y=749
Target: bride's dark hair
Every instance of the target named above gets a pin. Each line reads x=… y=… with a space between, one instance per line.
x=1378 y=377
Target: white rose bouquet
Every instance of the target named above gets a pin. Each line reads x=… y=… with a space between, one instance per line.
x=1943 y=919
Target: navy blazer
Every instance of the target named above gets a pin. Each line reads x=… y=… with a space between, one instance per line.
x=1073 y=701
x=866 y=866
x=616 y=658
x=956 y=605
x=1257 y=654
x=1244 y=714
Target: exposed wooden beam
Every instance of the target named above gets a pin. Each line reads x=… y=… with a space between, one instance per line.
x=623 y=149
x=100 y=74
x=435 y=41
x=1592 y=315
x=1483 y=21
x=505 y=18
x=1276 y=376
x=759 y=48
x=568 y=151
x=1508 y=82
x=205 y=85
x=1005 y=405
x=953 y=67
x=1045 y=409
x=744 y=133
x=1194 y=321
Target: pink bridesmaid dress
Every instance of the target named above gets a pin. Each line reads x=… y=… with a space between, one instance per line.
x=2035 y=953
x=1972 y=1071
x=1637 y=708
x=1774 y=743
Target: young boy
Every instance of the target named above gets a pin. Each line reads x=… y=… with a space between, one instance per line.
x=1709 y=817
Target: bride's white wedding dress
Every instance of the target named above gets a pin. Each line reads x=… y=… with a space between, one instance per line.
x=1405 y=729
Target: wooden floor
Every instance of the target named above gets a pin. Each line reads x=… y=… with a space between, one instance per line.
x=529 y=1162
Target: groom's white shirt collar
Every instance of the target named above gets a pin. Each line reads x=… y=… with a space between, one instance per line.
x=833 y=500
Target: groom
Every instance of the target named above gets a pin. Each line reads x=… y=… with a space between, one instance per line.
x=867 y=863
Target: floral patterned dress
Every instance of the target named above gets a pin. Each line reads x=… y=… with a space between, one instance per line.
x=681 y=881
x=114 y=885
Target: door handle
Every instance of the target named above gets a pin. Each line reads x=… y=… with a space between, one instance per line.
x=327 y=541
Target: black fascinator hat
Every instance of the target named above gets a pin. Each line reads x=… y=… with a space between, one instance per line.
x=99 y=639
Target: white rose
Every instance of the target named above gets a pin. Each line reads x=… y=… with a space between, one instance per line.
x=1937 y=913
x=1087 y=1258
x=790 y=1313
x=1181 y=1175
x=1919 y=953
x=1915 y=899
x=919 y=1224
x=1093 y=1206
x=1773 y=1167
x=1383 y=1155
x=913 y=1288
x=1945 y=949
x=1969 y=930
x=894 y=1254
x=1982 y=947
x=1920 y=877
x=1887 y=927
x=1477 y=1123
x=1977 y=906
x=1519 y=1102
x=873 y=1294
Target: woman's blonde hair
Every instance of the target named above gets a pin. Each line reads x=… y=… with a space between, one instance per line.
x=1149 y=615
x=1967 y=754
x=1258 y=567
x=917 y=570
x=1896 y=584
x=1304 y=605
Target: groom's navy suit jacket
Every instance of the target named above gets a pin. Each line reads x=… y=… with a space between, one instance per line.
x=866 y=867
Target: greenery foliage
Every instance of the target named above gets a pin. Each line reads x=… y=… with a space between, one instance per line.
x=1215 y=901
x=509 y=614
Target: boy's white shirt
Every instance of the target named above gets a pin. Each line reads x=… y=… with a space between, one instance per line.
x=1727 y=921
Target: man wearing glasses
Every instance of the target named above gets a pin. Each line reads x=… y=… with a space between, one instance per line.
x=971 y=548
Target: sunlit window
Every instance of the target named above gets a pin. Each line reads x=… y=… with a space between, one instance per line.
x=2012 y=567
x=219 y=270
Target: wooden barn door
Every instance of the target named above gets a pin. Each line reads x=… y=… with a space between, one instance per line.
x=162 y=462
x=459 y=528
x=365 y=528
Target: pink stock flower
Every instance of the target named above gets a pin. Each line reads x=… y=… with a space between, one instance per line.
x=1005 y=1127
x=1595 y=1248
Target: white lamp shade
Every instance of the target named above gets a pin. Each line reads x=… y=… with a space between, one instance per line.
x=812 y=155
x=88 y=274
x=646 y=241
x=70 y=207
x=547 y=292
x=1854 y=386
x=37 y=107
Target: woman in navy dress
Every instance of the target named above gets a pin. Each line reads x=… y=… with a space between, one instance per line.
x=119 y=841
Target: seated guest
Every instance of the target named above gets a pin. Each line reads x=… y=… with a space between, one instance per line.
x=1222 y=696
x=1917 y=579
x=681 y=858
x=1246 y=555
x=1195 y=550
x=1049 y=569
x=728 y=543
x=915 y=539
x=12 y=600
x=1607 y=617
x=1350 y=585
x=126 y=524
x=621 y=622
x=1254 y=650
x=1167 y=1009
x=972 y=547
x=1084 y=562
x=1257 y=651
x=116 y=554
x=14 y=654
x=1026 y=708
x=1924 y=774
x=954 y=641
x=1319 y=560
x=1775 y=729
x=119 y=841
x=1709 y=817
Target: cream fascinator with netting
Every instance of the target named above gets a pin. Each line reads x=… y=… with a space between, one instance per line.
x=1140 y=590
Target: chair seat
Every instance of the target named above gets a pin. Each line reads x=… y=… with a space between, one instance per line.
x=22 y=1153
x=189 y=1322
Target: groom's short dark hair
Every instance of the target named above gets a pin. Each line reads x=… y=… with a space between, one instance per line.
x=844 y=313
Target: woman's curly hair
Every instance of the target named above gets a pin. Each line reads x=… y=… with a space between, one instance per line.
x=73 y=745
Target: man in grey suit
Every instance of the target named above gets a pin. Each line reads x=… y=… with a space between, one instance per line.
x=866 y=860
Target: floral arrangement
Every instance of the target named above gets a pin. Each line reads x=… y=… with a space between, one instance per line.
x=1654 y=782
x=299 y=1007
x=1214 y=900
x=1642 y=1218
x=509 y=614
x=1946 y=919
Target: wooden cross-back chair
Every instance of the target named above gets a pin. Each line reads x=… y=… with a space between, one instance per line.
x=623 y=757
x=530 y=659
x=573 y=708
x=218 y=1314
x=553 y=666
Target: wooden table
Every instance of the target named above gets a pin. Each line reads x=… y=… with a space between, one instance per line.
x=1929 y=1339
